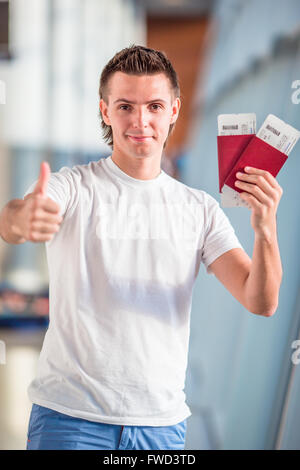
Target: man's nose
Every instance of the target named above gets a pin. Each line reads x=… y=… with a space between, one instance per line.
x=141 y=118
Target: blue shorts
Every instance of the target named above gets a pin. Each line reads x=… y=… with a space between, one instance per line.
x=49 y=429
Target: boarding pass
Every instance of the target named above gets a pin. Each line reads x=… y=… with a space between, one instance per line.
x=273 y=131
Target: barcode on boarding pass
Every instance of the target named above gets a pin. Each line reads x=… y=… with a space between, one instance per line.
x=228 y=128
x=272 y=129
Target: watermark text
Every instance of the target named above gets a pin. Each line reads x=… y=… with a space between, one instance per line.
x=296 y=354
x=296 y=94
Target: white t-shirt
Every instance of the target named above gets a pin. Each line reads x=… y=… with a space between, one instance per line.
x=121 y=274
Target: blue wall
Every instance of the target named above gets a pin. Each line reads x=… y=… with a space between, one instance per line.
x=240 y=363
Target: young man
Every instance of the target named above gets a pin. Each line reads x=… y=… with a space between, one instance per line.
x=124 y=244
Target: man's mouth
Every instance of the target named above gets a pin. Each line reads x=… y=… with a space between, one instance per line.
x=140 y=138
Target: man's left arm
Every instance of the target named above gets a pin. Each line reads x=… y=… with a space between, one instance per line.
x=255 y=283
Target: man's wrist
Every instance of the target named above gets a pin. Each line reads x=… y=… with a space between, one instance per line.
x=267 y=234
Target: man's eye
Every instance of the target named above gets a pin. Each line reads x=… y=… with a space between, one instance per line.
x=156 y=106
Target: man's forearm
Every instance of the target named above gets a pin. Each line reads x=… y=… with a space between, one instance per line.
x=263 y=282
x=7 y=217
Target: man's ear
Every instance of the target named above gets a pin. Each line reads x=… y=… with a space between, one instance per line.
x=104 y=111
x=175 y=110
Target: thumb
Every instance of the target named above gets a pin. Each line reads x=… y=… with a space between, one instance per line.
x=41 y=185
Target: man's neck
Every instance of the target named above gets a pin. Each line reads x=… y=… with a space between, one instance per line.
x=144 y=168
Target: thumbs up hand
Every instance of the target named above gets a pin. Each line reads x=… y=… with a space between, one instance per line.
x=38 y=219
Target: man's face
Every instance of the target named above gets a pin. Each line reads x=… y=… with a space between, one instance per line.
x=140 y=110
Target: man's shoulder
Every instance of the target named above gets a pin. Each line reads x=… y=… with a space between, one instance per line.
x=78 y=171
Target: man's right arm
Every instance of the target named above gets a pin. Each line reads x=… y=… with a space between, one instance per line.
x=35 y=218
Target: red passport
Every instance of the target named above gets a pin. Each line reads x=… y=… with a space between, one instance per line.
x=237 y=151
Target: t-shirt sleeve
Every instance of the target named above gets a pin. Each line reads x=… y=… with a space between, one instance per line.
x=63 y=187
x=219 y=234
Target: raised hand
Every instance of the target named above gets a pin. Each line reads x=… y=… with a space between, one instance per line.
x=263 y=193
x=38 y=218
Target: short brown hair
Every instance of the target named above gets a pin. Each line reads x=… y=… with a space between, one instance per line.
x=136 y=60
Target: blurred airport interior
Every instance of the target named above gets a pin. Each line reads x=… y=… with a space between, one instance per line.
x=232 y=56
